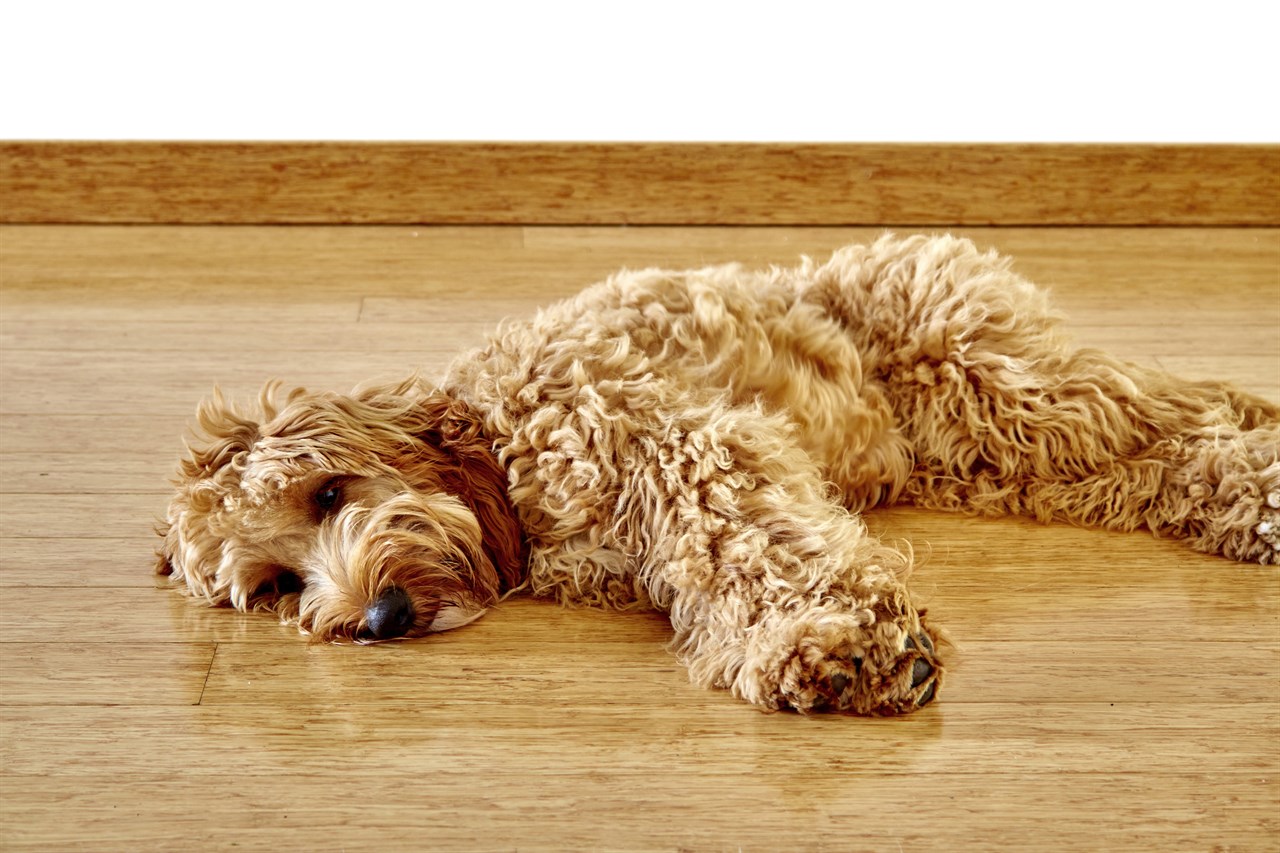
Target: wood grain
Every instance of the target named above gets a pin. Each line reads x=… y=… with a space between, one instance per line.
x=1109 y=691
x=640 y=183
x=763 y=799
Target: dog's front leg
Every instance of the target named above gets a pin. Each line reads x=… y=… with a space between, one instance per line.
x=774 y=590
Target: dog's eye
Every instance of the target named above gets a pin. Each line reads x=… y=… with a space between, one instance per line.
x=284 y=583
x=329 y=497
x=287 y=582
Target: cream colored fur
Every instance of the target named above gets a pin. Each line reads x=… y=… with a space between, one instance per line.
x=702 y=442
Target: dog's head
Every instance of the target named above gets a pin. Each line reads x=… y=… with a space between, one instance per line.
x=374 y=516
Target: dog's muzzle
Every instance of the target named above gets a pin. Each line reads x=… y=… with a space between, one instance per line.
x=391 y=615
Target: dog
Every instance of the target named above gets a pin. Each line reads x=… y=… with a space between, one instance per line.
x=703 y=443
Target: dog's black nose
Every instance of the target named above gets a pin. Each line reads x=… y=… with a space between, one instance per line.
x=391 y=615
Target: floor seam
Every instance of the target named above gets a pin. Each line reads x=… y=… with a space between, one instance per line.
x=207 y=673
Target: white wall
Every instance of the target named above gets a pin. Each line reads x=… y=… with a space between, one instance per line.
x=642 y=70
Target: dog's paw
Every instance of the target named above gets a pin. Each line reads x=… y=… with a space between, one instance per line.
x=1267 y=530
x=1252 y=524
x=879 y=661
x=882 y=684
x=886 y=668
x=1232 y=496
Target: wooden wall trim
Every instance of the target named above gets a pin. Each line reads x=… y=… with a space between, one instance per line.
x=641 y=183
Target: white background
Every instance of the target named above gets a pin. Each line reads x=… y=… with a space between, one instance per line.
x=642 y=70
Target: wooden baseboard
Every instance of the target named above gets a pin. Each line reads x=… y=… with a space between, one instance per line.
x=642 y=183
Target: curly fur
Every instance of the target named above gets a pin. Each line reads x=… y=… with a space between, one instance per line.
x=702 y=442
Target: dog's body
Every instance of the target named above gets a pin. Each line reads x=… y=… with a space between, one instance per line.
x=702 y=442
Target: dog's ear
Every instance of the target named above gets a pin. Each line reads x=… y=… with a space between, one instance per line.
x=222 y=434
x=473 y=474
x=191 y=552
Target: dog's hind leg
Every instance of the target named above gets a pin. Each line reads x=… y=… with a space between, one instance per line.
x=1097 y=443
x=1006 y=416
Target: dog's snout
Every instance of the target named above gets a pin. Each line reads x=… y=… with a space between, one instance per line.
x=391 y=615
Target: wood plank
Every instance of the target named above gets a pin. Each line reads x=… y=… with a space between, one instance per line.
x=697 y=734
x=89 y=673
x=126 y=616
x=640 y=183
x=761 y=802
x=504 y=666
x=82 y=515
x=157 y=267
x=41 y=434
x=433 y=327
x=58 y=382
x=212 y=275
x=86 y=472
x=80 y=562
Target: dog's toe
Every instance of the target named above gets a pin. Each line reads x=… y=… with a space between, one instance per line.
x=1268 y=529
x=842 y=683
x=922 y=670
x=910 y=644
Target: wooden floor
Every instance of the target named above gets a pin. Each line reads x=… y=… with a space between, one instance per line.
x=1112 y=691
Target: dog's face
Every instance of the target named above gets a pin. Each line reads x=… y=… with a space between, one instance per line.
x=359 y=518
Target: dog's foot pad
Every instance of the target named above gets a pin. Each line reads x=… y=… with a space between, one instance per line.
x=920 y=672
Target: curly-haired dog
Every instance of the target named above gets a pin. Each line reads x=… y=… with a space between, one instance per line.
x=701 y=442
